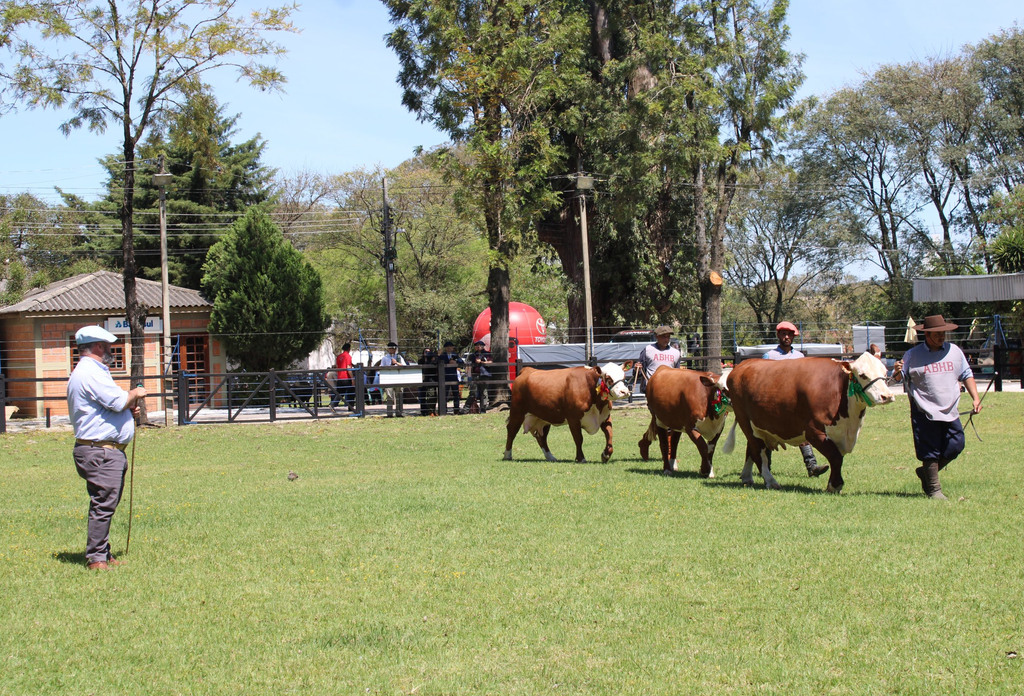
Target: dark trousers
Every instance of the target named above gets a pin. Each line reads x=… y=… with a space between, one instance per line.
x=344 y=390
x=942 y=441
x=103 y=469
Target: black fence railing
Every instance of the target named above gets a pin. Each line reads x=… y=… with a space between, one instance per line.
x=395 y=391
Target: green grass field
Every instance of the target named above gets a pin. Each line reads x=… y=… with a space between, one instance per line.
x=407 y=558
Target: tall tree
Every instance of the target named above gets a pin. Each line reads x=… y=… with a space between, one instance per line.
x=268 y=305
x=486 y=73
x=123 y=62
x=854 y=141
x=781 y=243
x=214 y=181
x=750 y=79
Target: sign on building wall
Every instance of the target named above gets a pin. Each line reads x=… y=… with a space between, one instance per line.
x=119 y=325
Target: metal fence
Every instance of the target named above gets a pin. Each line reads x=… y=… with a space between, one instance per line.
x=384 y=391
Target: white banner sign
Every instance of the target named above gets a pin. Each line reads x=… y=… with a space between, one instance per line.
x=119 y=325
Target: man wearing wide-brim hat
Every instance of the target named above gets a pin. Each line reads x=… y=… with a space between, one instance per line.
x=659 y=353
x=932 y=372
x=102 y=415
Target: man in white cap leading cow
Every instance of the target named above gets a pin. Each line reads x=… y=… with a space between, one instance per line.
x=102 y=414
x=786 y=331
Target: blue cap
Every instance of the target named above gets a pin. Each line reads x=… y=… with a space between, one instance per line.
x=93 y=334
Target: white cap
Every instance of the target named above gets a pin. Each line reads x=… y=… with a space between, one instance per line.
x=93 y=334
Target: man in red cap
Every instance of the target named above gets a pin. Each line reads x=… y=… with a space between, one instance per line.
x=932 y=372
x=786 y=331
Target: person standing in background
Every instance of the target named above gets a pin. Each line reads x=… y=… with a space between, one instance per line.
x=785 y=332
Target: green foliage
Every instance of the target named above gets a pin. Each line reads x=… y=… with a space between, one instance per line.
x=487 y=73
x=1008 y=250
x=268 y=307
x=39 y=243
x=213 y=177
x=124 y=62
x=407 y=558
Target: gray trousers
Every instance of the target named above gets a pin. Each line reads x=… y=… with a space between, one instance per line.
x=103 y=469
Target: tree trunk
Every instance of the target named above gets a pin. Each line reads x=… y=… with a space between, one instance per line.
x=134 y=312
x=498 y=293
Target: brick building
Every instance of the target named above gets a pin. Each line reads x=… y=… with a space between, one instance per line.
x=37 y=337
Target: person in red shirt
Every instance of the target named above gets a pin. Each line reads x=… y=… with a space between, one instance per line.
x=343 y=383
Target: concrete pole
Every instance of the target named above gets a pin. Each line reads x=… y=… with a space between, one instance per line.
x=161 y=180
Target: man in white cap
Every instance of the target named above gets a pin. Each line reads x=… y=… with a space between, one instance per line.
x=786 y=331
x=102 y=414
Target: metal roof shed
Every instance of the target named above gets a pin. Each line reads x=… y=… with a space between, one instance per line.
x=970 y=288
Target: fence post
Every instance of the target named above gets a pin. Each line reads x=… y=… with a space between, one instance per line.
x=272 y=387
x=358 y=375
x=3 y=404
x=442 y=391
x=998 y=358
x=183 y=401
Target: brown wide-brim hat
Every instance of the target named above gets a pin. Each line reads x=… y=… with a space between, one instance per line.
x=663 y=331
x=935 y=323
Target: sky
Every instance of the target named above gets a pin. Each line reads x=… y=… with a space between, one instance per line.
x=342 y=109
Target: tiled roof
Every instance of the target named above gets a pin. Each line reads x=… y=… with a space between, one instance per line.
x=101 y=291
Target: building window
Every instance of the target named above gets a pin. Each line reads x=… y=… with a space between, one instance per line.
x=116 y=349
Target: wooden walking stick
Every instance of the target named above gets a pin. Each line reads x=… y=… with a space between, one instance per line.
x=131 y=490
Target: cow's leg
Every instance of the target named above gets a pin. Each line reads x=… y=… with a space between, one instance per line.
x=645 y=442
x=577 y=436
x=747 y=476
x=711 y=455
x=515 y=422
x=765 y=462
x=706 y=453
x=835 y=460
x=542 y=440
x=663 y=437
x=673 y=450
x=606 y=427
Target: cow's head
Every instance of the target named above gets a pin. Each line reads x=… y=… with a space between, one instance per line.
x=614 y=378
x=868 y=373
x=718 y=400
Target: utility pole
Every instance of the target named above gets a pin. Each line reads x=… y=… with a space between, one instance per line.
x=389 y=265
x=162 y=179
x=586 y=183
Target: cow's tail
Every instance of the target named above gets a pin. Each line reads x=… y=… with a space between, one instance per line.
x=730 y=442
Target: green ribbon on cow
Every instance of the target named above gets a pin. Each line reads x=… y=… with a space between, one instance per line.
x=858 y=391
x=721 y=403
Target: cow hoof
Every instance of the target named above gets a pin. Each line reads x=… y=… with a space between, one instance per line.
x=605 y=456
x=707 y=472
x=747 y=482
x=550 y=457
x=834 y=491
x=774 y=485
x=507 y=456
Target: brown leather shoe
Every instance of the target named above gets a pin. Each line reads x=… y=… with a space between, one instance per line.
x=99 y=565
x=114 y=562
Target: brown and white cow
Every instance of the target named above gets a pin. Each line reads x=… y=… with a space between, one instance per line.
x=817 y=400
x=689 y=401
x=579 y=396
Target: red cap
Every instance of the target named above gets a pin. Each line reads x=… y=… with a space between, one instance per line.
x=787 y=326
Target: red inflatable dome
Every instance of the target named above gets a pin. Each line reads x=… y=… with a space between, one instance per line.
x=525 y=325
